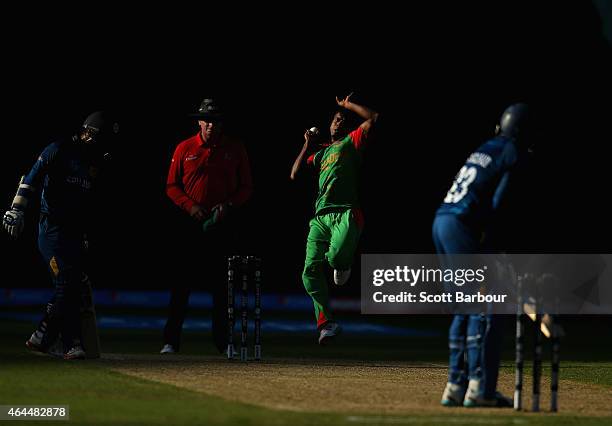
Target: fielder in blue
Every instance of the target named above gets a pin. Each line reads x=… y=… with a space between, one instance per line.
x=65 y=173
x=462 y=225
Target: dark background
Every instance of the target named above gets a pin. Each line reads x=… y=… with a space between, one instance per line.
x=439 y=74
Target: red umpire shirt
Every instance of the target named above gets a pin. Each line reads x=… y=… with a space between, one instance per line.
x=205 y=174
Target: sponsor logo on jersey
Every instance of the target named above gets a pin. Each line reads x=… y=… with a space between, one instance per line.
x=79 y=181
x=331 y=159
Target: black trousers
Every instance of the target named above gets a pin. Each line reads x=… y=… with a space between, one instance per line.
x=201 y=265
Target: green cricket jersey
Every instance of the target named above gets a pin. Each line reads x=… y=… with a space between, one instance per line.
x=338 y=166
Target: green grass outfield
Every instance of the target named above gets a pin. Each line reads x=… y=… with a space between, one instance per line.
x=97 y=395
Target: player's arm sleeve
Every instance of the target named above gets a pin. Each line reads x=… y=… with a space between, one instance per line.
x=510 y=157
x=315 y=159
x=508 y=165
x=245 y=181
x=32 y=181
x=174 y=183
x=500 y=191
x=359 y=137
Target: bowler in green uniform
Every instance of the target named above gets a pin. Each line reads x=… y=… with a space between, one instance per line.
x=338 y=221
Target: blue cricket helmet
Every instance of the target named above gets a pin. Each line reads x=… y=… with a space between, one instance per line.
x=514 y=121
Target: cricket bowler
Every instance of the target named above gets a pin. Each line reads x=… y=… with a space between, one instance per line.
x=336 y=227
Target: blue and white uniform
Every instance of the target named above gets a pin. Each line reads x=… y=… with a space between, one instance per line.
x=466 y=214
x=65 y=173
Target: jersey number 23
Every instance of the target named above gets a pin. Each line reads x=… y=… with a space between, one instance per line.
x=461 y=184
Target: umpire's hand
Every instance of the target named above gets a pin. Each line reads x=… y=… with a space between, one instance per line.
x=198 y=213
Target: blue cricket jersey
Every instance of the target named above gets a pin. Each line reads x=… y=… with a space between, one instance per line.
x=65 y=171
x=479 y=186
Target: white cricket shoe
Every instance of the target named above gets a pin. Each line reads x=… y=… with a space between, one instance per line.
x=76 y=352
x=341 y=277
x=34 y=343
x=168 y=349
x=327 y=333
x=499 y=401
x=453 y=395
x=474 y=398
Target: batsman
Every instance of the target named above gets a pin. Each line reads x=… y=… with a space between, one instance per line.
x=65 y=174
x=469 y=221
x=338 y=221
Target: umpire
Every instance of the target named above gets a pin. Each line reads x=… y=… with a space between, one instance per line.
x=209 y=179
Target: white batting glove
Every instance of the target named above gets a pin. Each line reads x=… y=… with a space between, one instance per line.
x=13 y=222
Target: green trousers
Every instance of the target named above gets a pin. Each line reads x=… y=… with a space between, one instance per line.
x=333 y=237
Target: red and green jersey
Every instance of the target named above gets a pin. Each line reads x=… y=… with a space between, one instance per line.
x=338 y=166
